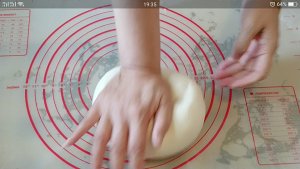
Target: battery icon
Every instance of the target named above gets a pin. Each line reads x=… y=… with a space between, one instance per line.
x=292 y=4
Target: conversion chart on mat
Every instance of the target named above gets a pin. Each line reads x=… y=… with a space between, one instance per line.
x=14 y=32
x=274 y=116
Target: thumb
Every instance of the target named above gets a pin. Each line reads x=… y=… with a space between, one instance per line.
x=247 y=34
x=162 y=120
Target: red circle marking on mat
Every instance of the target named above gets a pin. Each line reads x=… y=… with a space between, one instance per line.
x=53 y=82
x=82 y=100
x=76 y=62
x=26 y=90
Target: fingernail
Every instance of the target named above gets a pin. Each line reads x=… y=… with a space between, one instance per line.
x=66 y=144
x=221 y=67
x=157 y=141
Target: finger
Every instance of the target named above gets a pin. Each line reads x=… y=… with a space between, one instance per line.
x=244 y=81
x=269 y=43
x=245 y=58
x=137 y=144
x=232 y=79
x=263 y=61
x=226 y=81
x=91 y=118
x=162 y=120
x=227 y=62
x=271 y=39
x=229 y=71
x=118 y=146
x=248 y=32
x=251 y=52
x=247 y=77
x=101 y=139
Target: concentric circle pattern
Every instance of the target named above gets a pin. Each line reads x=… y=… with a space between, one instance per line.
x=69 y=63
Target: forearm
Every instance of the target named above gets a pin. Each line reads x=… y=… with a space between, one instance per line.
x=138 y=36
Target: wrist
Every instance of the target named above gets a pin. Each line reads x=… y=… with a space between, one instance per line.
x=141 y=69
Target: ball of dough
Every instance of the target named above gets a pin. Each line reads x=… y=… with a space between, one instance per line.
x=187 y=118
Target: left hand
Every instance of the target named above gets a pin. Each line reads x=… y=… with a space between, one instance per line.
x=254 y=48
x=125 y=107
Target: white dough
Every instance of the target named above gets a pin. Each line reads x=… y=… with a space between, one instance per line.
x=188 y=115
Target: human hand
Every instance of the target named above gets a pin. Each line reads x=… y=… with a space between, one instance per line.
x=254 y=48
x=125 y=107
